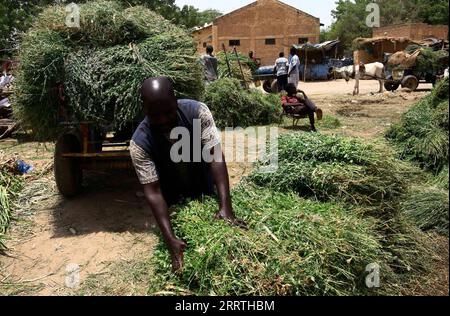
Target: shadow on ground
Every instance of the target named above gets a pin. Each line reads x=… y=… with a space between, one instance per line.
x=109 y=202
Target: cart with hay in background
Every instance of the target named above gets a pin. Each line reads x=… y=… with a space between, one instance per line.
x=416 y=64
x=80 y=86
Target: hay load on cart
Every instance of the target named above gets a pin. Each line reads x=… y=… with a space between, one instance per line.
x=80 y=85
x=416 y=64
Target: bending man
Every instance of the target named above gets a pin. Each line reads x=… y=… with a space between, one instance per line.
x=167 y=181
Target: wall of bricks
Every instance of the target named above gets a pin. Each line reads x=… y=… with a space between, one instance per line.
x=414 y=31
x=261 y=20
x=202 y=38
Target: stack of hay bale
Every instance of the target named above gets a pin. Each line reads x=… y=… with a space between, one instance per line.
x=94 y=72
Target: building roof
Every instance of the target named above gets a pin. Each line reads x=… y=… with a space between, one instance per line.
x=256 y=2
x=361 y=42
x=198 y=28
x=325 y=46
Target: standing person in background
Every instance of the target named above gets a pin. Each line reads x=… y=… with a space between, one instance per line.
x=251 y=55
x=209 y=62
x=281 y=70
x=294 y=64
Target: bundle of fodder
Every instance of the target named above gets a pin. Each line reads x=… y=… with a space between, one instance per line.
x=101 y=65
x=428 y=208
x=248 y=66
x=10 y=186
x=293 y=247
x=428 y=60
x=335 y=168
x=234 y=106
x=423 y=132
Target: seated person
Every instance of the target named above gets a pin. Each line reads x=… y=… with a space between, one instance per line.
x=294 y=104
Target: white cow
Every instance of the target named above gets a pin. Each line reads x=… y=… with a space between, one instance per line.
x=358 y=72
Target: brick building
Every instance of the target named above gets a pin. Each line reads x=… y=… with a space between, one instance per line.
x=413 y=31
x=265 y=27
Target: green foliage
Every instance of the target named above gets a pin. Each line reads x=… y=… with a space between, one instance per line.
x=428 y=208
x=427 y=11
x=248 y=66
x=18 y=15
x=422 y=135
x=293 y=247
x=350 y=22
x=234 y=106
x=299 y=246
x=329 y=122
x=350 y=17
x=366 y=177
x=429 y=61
x=101 y=71
x=189 y=16
x=335 y=168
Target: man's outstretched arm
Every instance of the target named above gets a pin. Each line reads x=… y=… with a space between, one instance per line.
x=220 y=176
x=158 y=205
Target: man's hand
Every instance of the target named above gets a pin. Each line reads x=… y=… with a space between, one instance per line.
x=158 y=205
x=219 y=172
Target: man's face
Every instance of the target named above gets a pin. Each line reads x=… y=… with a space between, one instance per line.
x=162 y=115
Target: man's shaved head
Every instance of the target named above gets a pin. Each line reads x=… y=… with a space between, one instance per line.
x=159 y=102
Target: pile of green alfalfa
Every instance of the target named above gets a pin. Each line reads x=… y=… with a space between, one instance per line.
x=101 y=65
x=335 y=168
x=293 y=247
x=428 y=208
x=234 y=106
x=422 y=135
x=331 y=209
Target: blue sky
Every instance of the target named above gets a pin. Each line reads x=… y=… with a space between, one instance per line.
x=319 y=8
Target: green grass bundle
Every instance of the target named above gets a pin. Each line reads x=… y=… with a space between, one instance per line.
x=101 y=65
x=329 y=122
x=10 y=186
x=335 y=168
x=423 y=133
x=234 y=106
x=366 y=177
x=441 y=180
x=429 y=61
x=293 y=247
x=428 y=209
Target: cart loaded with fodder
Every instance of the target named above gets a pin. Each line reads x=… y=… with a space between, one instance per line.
x=417 y=64
x=80 y=86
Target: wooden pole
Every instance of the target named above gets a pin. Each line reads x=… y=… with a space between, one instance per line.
x=240 y=67
x=226 y=59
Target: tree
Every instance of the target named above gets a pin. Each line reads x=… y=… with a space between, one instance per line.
x=208 y=16
x=350 y=17
x=350 y=22
x=401 y=11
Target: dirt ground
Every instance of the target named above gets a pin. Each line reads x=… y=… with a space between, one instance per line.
x=110 y=223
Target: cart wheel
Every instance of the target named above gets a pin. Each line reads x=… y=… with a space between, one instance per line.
x=267 y=86
x=274 y=86
x=391 y=86
x=68 y=174
x=410 y=83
